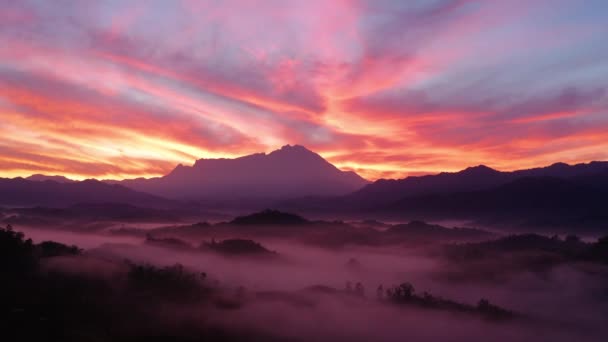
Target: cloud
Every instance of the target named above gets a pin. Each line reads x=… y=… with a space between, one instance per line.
x=448 y=83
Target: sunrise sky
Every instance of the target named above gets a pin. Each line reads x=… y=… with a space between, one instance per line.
x=115 y=89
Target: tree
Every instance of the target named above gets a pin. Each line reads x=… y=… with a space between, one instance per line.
x=402 y=292
x=573 y=239
x=406 y=290
x=359 y=290
x=483 y=304
x=380 y=292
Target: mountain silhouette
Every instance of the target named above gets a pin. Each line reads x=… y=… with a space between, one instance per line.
x=86 y=216
x=22 y=192
x=539 y=202
x=297 y=180
x=524 y=195
x=559 y=195
x=422 y=228
x=292 y=171
x=270 y=217
x=42 y=178
x=385 y=192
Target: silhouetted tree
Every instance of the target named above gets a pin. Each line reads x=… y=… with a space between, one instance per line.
x=380 y=292
x=359 y=290
x=403 y=292
x=52 y=248
x=573 y=239
x=16 y=253
x=599 y=250
x=483 y=304
x=406 y=290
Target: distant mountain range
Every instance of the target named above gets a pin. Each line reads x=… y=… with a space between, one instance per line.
x=50 y=193
x=83 y=217
x=292 y=171
x=476 y=178
x=42 y=178
x=528 y=201
x=298 y=180
x=335 y=234
x=559 y=194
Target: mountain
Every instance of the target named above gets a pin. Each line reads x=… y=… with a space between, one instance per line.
x=547 y=202
x=423 y=230
x=384 y=192
x=42 y=178
x=22 y=192
x=238 y=247
x=565 y=171
x=559 y=195
x=269 y=217
x=85 y=216
x=292 y=171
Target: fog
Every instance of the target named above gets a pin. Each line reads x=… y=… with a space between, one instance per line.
x=568 y=302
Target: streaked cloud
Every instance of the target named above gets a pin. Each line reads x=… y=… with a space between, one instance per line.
x=115 y=89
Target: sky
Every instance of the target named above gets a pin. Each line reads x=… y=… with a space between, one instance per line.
x=387 y=88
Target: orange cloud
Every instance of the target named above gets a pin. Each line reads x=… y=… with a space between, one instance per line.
x=385 y=89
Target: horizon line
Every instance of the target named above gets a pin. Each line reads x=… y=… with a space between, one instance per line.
x=70 y=177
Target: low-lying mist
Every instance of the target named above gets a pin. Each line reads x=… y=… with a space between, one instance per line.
x=307 y=292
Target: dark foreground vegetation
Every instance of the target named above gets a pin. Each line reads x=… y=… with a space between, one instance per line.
x=235 y=247
x=124 y=302
x=496 y=260
x=290 y=227
x=405 y=295
x=570 y=247
x=229 y=247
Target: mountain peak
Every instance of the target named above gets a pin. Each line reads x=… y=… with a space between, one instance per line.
x=269 y=217
x=42 y=178
x=289 y=172
x=559 y=165
x=478 y=170
x=180 y=167
x=297 y=154
x=292 y=149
